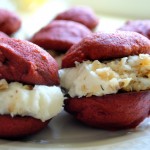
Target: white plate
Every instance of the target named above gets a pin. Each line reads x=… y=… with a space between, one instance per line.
x=64 y=132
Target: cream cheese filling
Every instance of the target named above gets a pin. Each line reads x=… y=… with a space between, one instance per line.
x=41 y=102
x=100 y=78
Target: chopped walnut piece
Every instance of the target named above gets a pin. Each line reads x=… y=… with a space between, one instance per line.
x=28 y=87
x=3 y=84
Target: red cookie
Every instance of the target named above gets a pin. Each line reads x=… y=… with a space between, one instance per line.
x=25 y=62
x=83 y=15
x=105 y=46
x=60 y=35
x=20 y=126
x=139 y=26
x=9 y=22
x=114 y=111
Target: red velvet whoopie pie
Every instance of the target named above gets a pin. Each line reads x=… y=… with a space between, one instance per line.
x=106 y=77
x=29 y=91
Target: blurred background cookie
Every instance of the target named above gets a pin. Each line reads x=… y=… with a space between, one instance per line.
x=60 y=35
x=139 y=26
x=81 y=14
x=9 y=22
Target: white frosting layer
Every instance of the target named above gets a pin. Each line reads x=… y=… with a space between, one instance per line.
x=41 y=102
x=96 y=78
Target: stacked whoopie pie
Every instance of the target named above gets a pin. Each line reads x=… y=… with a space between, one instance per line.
x=107 y=78
x=29 y=92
